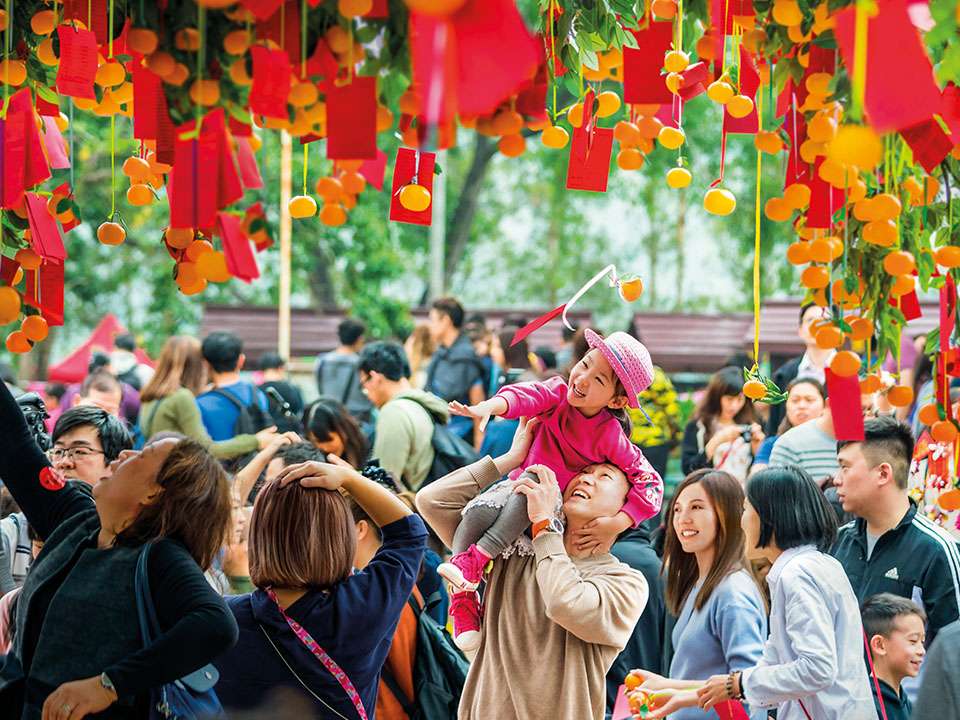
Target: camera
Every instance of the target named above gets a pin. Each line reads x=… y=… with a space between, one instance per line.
x=33 y=409
x=745 y=433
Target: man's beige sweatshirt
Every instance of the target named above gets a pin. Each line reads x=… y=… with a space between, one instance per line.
x=553 y=624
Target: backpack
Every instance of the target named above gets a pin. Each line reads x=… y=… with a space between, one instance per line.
x=450 y=452
x=439 y=670
x=252 y=418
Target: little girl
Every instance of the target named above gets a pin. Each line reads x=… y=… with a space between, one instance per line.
x=582 y=423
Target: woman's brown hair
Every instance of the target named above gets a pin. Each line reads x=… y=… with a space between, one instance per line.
x=193 y=505
x=300 y=538
x=726 y=497
x=180 y=365
x=725 y=382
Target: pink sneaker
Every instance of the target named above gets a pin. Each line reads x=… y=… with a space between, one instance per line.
x=464 y=571
x=466 y=610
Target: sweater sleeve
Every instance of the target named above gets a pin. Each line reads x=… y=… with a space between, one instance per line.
x=197 y=624
x=185 y=417
x=394 y=439
x=646 y=486
x=740 y=627
x=23 y=464
x=602 y=609
x=440 y=502
x=533 y=398
x=691 y=456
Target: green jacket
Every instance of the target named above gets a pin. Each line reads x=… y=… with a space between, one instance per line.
x=404 y=435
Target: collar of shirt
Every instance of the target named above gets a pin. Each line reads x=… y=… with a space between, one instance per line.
x=785 y=557
x=806 y=368
x=905 y=521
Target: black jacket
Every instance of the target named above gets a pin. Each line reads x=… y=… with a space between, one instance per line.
x=897 y=706
x=917 y=559
x=782 y=376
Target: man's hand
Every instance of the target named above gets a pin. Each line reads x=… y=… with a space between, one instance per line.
x=598 y=536
x=266 y=436
x=541 y=495
x=522 y=438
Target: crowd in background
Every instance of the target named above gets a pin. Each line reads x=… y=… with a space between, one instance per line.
x=293 y=551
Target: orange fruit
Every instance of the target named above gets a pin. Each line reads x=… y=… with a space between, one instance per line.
x=863 y=210
x=111 y=233
x=415 y=198
x=329 y=188
x=720 y=92
x=886 y=207
x=648 y=126
x=575 y=115
x=198 y=248
x=821 y=129
x=904 y=285
x=607 y=103
x=507 y=122
x=301 y=206
x=18 y=276
x=829 y=337
x=632 y=681
x=136 y=168
x=187 y=274
x=776 y=209
x=187 y=39
x=142 y=40
x=35 y=328
x=943 y=431
x=556 y=137
x=629 y=159
x=45 y=53
x=353 y=182
x=671 y=138
x=17 y=342
x=631 y=289
x=797 y=195
x=860 y=328
x=929 y=414
x=949 y=500
x=664 y=9
x=870 y=384
x=13 y=72
x=948 y=256
x=880 y=232
x=28 y=259
x=719 y=201
x=434 y=7
x=205 y=92
x=303 y=94
x=625 y=132
x=160 y=62
x=239 y=74
x=845 y=363
x=512 y=145
x=768 y=142
x=821 y=251
x=676 y=61
x=787 y=13
x=43 y=22
x=856 y=145
x=333 y=215
x=678 y=177
x=197 y=287
x=409 y=102
x=110 y=74
x=384 y=118
x=740 y=106
x=754 y=389
x=179 y=238
x=899 y=263
x=212 y=266
x=705 y=48
x=139 y=195
x=798 y=253
x=354 y=8
x=9 y=304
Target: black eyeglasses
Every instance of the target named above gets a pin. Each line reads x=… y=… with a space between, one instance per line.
x=75 y=454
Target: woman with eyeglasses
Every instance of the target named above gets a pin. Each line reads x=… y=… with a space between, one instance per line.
x=78 y=649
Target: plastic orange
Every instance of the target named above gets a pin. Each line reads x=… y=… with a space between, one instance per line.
x=860 y=329
x=35 y=328
x=556 y=137
x=845 y=363
x=798 y=253
x=111 y=233
x=160 y=62
x=139 y=195
x=678 y=177
x=948 y=256
x=949 y=500
x=720 y=92
x=664 y=9
x=768 y=142
x=198 y=248
x=754 y=389
x=740 y=106
x=944 y=431
x=829 y=337
x=333 y=215
x=776 y=209
x=856 y=145
x=880 y=232
x=17 y=342
x=301 y=206
x=45 y=53
x=886 y=207
x=9 y=304
x=671 y=138
x=136 y=168
x=899 y=263
x=719 y=201
x=904 y=285
x=28 y=259
x=629 y=159
x=607 y=103
x=353 y=182
x=414 y=198
x=929 y=414
x=212 y=266
x=329 y=188
x=512 y=145
x=143 y=40
x=821 y=250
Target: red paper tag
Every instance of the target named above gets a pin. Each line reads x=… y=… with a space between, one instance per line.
x=824 y=199
x=593 y=173
x=44 y=290
x=900 y=87
x=249 y=172
x=12 y=159
x=374 y=170
x=166 y=132
x=236 y=248
x=53 y=141
x=93 y=13
x=433 y=52
x=844 y=396
x=193 y=186
x=379 y=9
x=693 y=78
x=8 y=269
x=669 y=114
x=529 y=328
x=950 y=110
x=352 y=119
x=50 y=479
x=45 y=234
x=263 y=9
x=749 y=82
x=78 y=62
x=621 y=709
x=583 y=136
x=909 y=305
x=930 y=144
x=240 y=129
x=797 y=169
x=642 y=81
x=403 y=173
x=271 y=82
x=323 y=62
x=48 y=108
x=496 y=54
x=731 y=710
x=146 y=84
x=286 y=37
x=20 y=113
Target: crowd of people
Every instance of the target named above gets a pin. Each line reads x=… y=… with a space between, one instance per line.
x=463 y=526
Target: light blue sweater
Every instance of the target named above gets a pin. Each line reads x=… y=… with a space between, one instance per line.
x=728 y=633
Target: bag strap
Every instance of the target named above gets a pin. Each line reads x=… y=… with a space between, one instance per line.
x=146 y=613
x=229 y=396
x=328 y=662
x=873 y=672
x=391 y=682
x=151 y=416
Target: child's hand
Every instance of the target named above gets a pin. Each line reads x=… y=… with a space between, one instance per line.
x=473 y=411
x=598 y=536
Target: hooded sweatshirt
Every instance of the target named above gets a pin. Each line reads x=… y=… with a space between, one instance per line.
x=404 y=435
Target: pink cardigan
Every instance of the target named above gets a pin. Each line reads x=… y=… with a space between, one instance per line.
x=568 y=441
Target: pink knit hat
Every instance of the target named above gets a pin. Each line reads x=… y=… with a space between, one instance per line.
x=629 y=359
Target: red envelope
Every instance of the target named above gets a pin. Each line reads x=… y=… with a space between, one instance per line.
x=930 y=144
x=900 y=86
x=731 y=710
x=229 y=186
x=352 y=119
x=844 y=396
x=950 y=110
x=909 y=305
x=193 y=186
x=53 y=141
x=47 y=108
x=271 y=82
x=270 y=29
x=146 y=84
x=323 y=62
x=693 y=79
x=44 y=290
x=263 y=9
x=8 y=270
x=45 y=235
x=821 y=60
x=642 y=81
x=374 y=170
x=433 y=51
x=749 y=83
x=14 y=156
x=78 y=62
x=669 y=114
x=621 y=709
x=249 y=172
x=583 y=136
x=236 y=247
x=797 y=169
x=496 y=54
x=824 y=200
x=93 y=13
x=403 y=172
x=379 y=9
x=20 y=112
x=593 y=173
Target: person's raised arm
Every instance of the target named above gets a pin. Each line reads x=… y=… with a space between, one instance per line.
x=244 y=480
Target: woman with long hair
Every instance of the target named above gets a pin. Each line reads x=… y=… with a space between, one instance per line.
x=419 y=347
x=333 y=430
x=723 y=432
x=313 y=624
x=169 y=402
x=79 y=650
x=721 y=614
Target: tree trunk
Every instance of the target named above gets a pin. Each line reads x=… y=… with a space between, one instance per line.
x=653 y=249
x=681 y=219
x=321 y=284
x=458 y=231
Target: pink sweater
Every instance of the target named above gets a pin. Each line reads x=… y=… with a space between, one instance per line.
x=568 y=441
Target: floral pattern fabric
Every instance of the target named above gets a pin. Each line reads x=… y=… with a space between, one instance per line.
x=934 y=471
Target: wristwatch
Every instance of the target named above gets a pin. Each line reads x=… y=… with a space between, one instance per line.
x=107 y=683
x=549 y=525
